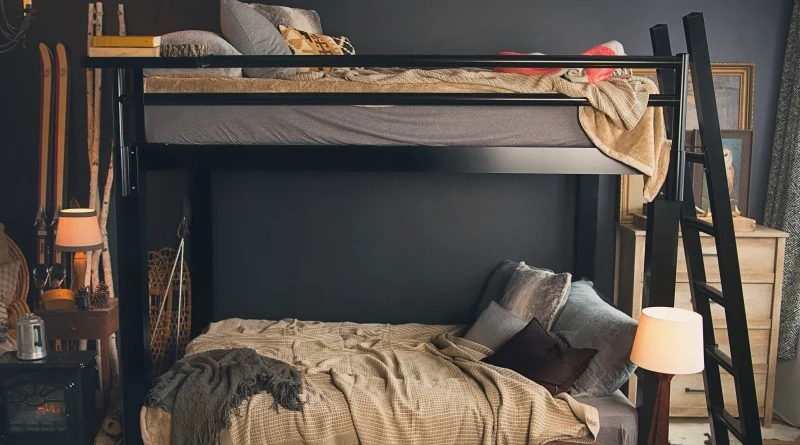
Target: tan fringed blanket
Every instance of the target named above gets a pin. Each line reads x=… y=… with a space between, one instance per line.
x=618 y=122
x=383 y=384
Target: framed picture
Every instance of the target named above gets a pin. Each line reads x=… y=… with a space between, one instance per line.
x=734 y=85
x=738 y=149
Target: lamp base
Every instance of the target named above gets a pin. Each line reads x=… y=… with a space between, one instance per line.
x=659 y=425
x=78 y=271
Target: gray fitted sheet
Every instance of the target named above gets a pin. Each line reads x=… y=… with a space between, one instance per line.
x=554 y=132
x=618 y=419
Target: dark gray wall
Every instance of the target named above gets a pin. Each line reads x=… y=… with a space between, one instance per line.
x=739 y=31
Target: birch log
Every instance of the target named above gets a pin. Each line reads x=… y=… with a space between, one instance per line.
x=94 y=155
x=90 y=90
x=123 y=29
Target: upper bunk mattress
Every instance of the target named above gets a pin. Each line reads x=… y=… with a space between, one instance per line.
x=478 y=126
x=617 y=134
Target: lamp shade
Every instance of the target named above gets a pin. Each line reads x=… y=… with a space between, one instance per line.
x=669 y=341
x=78 y=231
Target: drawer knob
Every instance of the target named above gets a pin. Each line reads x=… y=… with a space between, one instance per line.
x=694 y=390
x=72 y=328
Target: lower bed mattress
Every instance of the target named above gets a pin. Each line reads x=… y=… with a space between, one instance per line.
x=397 y=384
x=555 y=132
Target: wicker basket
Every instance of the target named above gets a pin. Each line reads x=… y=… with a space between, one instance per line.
x=23 y=280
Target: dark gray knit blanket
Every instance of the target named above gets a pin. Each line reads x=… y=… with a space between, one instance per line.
x=202 y=390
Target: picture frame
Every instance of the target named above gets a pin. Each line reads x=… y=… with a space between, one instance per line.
x=740 y=145
x=734 y=85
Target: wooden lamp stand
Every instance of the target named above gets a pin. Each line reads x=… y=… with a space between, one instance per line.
x=659 y=425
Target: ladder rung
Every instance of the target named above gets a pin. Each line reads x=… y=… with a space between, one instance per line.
x=730 y=422
x=721 y=358
x=696 y=157
x=701 y=225
x=712 y=293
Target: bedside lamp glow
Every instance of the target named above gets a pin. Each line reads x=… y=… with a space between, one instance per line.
x=668 y=341
x=79 y=232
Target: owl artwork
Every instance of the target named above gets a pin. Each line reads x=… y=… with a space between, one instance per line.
x=730 y=171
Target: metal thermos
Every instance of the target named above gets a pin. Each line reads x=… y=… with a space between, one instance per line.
x=30 y=338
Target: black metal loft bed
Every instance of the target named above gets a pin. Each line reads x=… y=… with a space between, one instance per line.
x=136 y=156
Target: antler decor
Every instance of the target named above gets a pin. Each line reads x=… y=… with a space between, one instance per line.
x=14 y=34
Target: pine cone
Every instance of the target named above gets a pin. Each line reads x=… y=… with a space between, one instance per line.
x=99 y=298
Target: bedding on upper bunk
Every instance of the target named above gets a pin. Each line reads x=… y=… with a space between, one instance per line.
x=618 y=122
x=387 y=384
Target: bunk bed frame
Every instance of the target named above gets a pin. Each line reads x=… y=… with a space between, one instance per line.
x=135 y=157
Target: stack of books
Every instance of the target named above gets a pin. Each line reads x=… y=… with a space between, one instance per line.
x=125 y=46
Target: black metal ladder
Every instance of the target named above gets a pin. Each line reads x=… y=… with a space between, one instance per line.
x=739 y=364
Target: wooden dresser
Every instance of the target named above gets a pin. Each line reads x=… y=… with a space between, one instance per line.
x=761 y=260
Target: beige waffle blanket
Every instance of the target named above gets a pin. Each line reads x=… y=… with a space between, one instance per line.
x=387 y=384
x=618 y=121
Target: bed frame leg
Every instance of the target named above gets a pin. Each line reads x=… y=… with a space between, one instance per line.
x=201 y=250
x=136 y=367
x=586 y=217
x=131 y=238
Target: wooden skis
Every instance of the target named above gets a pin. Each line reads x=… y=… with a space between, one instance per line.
x=43 y=255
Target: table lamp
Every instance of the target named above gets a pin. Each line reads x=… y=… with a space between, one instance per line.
x=668 y=341
x=78 y=231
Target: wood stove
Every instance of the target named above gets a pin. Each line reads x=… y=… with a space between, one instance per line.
x=49 y=401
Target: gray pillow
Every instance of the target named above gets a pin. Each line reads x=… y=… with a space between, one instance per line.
x=253 y=35
x=303 y=19
x=217 y=46
x=495 y=327
x=536 y=293
x=589 y=322
x=496 y=286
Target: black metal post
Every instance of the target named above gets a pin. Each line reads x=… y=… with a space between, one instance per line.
x=201 y=249
x=585 y=230
x=135 y=360
x=661 y=243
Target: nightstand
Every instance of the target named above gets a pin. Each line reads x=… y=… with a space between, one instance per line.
x=96 y=324
x=761 y=264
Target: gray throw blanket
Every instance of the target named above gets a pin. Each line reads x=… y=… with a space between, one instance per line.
x=202 y=390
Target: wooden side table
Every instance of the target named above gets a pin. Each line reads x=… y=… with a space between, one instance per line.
x=96 y=324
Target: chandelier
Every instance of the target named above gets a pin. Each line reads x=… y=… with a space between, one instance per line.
x=13 y=35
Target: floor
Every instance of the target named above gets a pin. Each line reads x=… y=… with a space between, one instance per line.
x=694 y=432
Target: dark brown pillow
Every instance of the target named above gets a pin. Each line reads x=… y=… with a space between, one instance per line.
x=539 y=357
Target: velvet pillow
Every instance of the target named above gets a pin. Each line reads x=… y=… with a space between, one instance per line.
x=537 y=356
x=217 y=46
x=494 y=327
x=303 y=19
x=253 y=35
x=587 y=321
x=302 y=43
x=496 y=285
x=536 y=293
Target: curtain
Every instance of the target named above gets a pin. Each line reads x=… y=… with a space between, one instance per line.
x=783 y=194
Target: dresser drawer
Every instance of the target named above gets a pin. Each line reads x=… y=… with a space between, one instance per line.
x=756 y=260
x=759 y=346
x=71 y=328
x=757 y=301
x=688 y=398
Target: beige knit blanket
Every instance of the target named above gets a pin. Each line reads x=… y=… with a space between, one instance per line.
x=383 y=384
x=618 y=121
